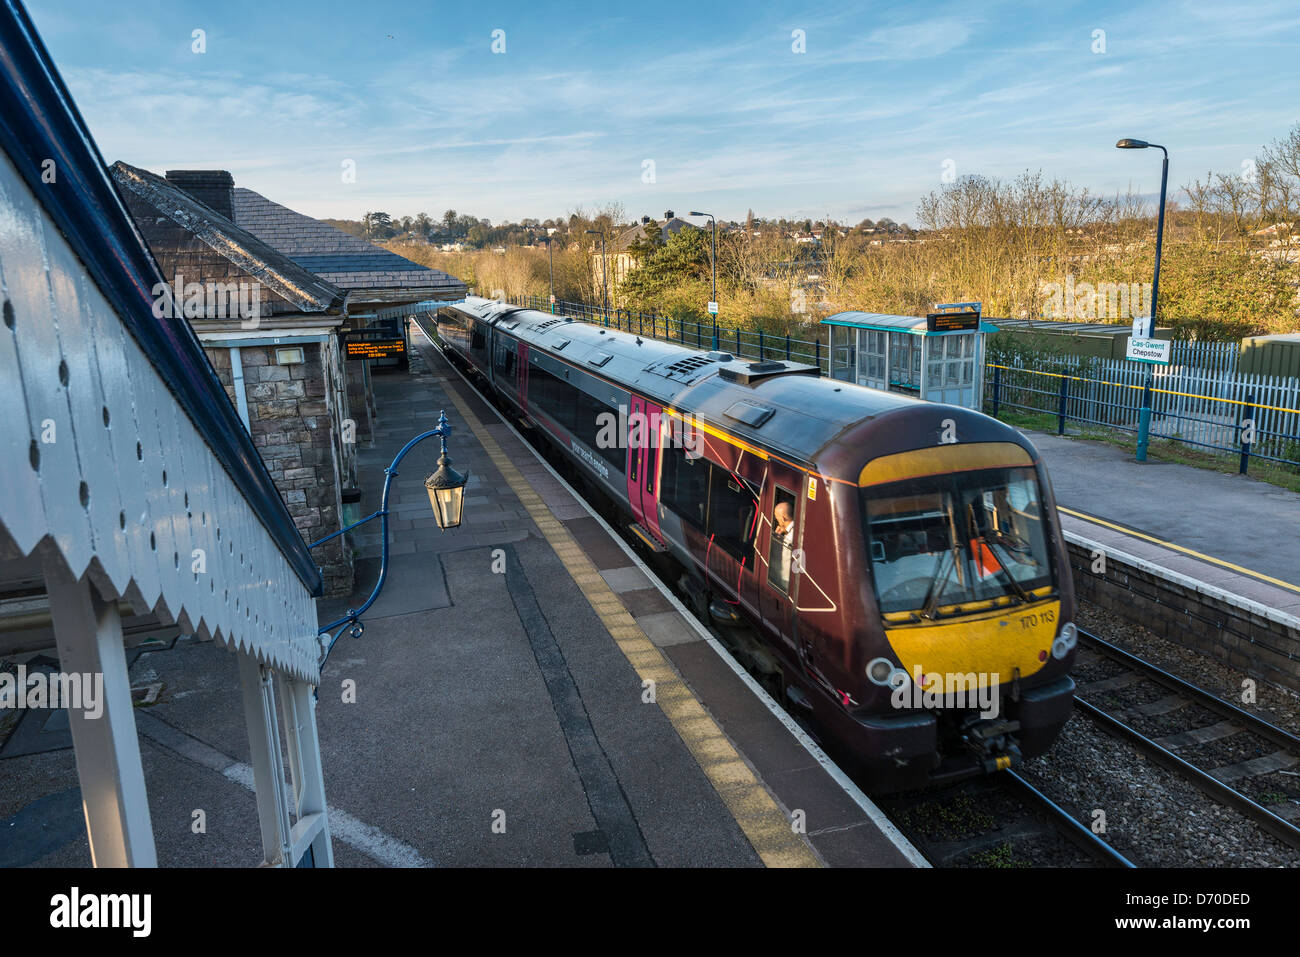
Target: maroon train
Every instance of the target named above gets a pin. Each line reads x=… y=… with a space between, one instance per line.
x=892 y=568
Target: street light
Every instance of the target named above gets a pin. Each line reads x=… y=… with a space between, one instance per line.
x=1144 y=414
x=550 y=253
x=1132 y=144
x=604 y=275
x=713 y=267
x=446 y=488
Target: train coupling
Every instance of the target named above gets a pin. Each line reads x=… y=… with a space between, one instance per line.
x=993 y=741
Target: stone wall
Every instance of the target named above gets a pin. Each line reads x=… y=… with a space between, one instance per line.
x=292 y=426
x=1241 y=633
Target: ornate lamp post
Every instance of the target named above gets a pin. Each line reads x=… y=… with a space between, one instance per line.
x=446 y=489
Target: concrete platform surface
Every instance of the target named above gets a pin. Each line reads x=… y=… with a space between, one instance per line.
x=1232 y=531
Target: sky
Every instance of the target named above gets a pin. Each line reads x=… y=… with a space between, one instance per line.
x=508 y=110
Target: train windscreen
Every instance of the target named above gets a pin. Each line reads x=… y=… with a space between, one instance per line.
x=942 y=542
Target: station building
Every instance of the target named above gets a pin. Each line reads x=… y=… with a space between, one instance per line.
x=270 y=329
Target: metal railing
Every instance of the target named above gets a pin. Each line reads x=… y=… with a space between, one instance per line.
x=1247 y=415
x=743 y=343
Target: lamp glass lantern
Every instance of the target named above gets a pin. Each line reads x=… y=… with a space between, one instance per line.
x=446 y=488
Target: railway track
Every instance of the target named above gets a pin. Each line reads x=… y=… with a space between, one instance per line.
x=1234 y=757
x=996 y=821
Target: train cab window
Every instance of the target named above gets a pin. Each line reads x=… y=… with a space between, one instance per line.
x=684 y=485
x=780 y=555
x=941 y=542
x=733 y=510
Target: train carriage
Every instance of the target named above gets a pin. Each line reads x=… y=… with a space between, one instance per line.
x=892 y=568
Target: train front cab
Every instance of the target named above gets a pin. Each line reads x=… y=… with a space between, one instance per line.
x=967 y=577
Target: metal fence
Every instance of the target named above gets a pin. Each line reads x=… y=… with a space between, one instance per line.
x=1220 y=357
x=742 y=343
x=1250 y=415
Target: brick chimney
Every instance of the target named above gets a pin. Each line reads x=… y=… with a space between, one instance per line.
x=214 y=188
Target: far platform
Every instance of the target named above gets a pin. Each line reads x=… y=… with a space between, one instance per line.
x=1233 y=532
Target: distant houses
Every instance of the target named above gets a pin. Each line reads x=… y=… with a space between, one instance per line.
x=619 y=256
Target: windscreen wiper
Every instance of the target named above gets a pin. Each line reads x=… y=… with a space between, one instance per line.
x=937 y=586
x=1002 y=567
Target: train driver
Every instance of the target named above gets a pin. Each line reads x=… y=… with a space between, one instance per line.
x=782 y=544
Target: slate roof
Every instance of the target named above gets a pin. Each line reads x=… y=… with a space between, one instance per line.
x=343 y=259
x=667 y=228
x=300 y=287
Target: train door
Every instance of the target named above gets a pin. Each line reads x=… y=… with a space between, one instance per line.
x=780 y=541
x=637 y=442
x=653 y=436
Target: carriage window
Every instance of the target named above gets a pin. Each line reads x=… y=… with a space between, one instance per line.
x=684 y=486
x=586 y=417
x=733 y=511
x=780 y=555
x=505 y=361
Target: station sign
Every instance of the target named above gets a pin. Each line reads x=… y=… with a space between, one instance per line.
x=1154 y=351
x=966 y=321
x=713 y=308
x=380 y=342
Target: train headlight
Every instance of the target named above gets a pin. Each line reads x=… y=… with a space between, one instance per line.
x=883 y=672
x=1066 y=640
x=879 y=670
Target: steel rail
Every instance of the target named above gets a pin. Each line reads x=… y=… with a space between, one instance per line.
x=1066 y=822
x=1255 y=724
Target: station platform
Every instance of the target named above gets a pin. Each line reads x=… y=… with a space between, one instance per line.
x=1231 y=532
x=527 y=669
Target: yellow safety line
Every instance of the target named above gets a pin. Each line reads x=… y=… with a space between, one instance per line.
x=766 y=827
x=1126 y=385
x=1179 y=548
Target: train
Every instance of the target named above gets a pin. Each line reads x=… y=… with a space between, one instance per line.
x=891 y=569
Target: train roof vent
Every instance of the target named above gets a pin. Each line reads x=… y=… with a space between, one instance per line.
x=747 y=373
x=599 y=358
x=750 y=413
x=561 y=344
x=552 y=322
x=685 y=368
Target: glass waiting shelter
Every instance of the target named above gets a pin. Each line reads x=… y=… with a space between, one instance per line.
x=938 y=357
